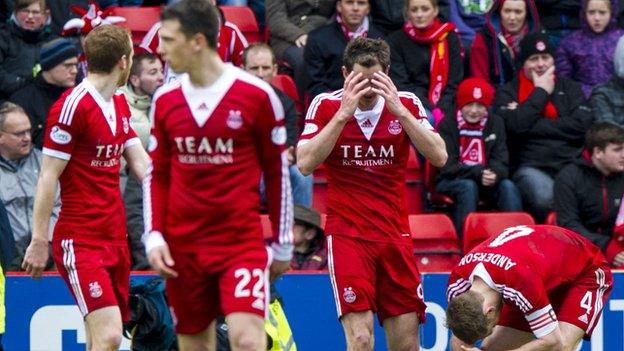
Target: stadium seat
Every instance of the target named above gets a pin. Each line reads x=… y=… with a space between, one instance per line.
x=436 y=247
x=267 y=229
x=434 y=199
x=286 y=84
x=552 y=218
x=479 y=226
x=139 y=20
x=245 y=20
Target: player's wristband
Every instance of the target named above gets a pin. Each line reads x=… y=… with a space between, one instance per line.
x=282 y=252
x=154 y=239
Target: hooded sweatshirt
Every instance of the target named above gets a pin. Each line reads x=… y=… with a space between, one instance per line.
x=586 y=56
x=607 y=99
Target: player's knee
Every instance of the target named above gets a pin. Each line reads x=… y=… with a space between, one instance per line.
x=362 y=339
x=245 y=341
x=107 y=340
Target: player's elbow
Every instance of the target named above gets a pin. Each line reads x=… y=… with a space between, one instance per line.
x=304 y=167
x=553 y=342
x=438 y=159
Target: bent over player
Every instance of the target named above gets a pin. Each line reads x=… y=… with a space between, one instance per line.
x=88 y=131
x=535 y=287
x=215 y=131
x=363 y=133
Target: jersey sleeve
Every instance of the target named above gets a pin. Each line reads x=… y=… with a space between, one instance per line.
x=63 y=126
x=238 y=46
x=526 y=291
x=317 y=117
x=416 y=108
x=156 y=180
x=131 y=137
x=271 y=145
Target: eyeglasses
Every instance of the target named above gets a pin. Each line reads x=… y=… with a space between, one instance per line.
x=27 y=12
x=19 y=135
x=69 y=66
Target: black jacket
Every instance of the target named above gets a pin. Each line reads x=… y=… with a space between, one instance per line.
x=19 y=52
x=323 y=57
x=537 y=141
x=291 y=117
x=559 y=14
x=36 y=98
x=409 y=69
x=497 y=157
x=387 y=15
x=588 y=202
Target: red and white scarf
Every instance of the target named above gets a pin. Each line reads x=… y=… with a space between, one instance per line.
x=471 y=142
x=513 y=40
x=435 y=35
x=361 y=31
x=525 y=89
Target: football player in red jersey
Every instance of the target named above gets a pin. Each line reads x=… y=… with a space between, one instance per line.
x=517 y=291
x=88 y=132
x=215 y=131
x=363 y=134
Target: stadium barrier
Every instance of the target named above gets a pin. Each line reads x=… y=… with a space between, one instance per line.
x=41 y=315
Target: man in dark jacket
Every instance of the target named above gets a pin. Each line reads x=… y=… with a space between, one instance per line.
x=20 y=43
x=59 y=67
x=546 y=121
x=477 y=165
x=588 y=192
x=323 y=52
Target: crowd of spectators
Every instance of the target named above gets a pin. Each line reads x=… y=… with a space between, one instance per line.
x=513 y=86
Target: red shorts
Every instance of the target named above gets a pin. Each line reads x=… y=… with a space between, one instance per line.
x=97 y=276
x=204 y=290
x=579 y=304
x=381 y=277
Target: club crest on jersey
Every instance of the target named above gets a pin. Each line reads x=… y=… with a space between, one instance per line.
x=125 y=124
x=60 y=136
x=278 y=135
x=395 y=127
x=95 y=290
x=234 y=119
x=349 y=295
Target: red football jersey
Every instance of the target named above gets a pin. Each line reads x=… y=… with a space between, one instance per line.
x=230 y=45
x=209 y=147
x=525 y=264
x=91 y=134
x=366 y=168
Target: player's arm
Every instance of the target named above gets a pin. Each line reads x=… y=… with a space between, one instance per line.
x=550 y=342
x=270 y=138
x=138 y=160
x=427 y=142
x=36 y=255
x=314 y=151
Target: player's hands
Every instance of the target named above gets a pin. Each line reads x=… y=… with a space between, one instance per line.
x=546 y=81
x=301 y=41
x=277 y=269
x=160 y=259
x=290 y=156
x=384 y=87
x=618 y=260
x=35 y=258
x=488 y=177
x=355 y=86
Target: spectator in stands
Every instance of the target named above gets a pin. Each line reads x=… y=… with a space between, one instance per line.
x=387 y=15
x=497 y=45
x=146 y=75
x=310 y=250
x=59 y=67
x=20 y=42
x=323 y=52
x=588 y=191
x=607 y=99
x=426 y=57
x=289 y=23
x=476 y=144
x=20 y=164
x=586 y=55
x=546 y=120
x=468 y=16
x=259 y=60
x=615 y=248
x=90 y=18
x=230 y=48
x=559 y=18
